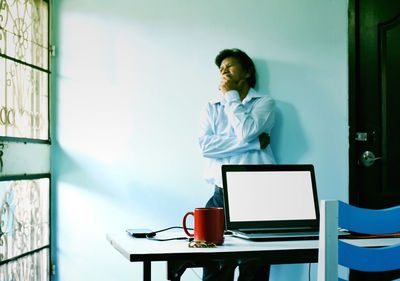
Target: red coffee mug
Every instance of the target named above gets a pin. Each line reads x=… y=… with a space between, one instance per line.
x=208 y=225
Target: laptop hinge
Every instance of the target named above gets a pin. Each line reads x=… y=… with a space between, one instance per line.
x=277 y=229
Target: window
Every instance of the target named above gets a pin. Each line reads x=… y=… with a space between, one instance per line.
x=24 y=241
x=24 y=69
x=24 y=140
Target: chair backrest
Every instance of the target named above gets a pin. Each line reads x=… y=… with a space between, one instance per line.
x=334 y=252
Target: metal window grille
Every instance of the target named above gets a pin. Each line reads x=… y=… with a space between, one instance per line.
x=24 y=116
x=24 y=69
x=24 y=229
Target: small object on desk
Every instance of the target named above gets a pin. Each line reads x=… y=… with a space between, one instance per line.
x=201 y=244
x=355 y=235
x=140 y=232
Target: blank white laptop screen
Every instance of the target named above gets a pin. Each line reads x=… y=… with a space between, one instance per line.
x=270 y=196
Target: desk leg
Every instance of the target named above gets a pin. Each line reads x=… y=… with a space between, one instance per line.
x=147 y=271
x=176 y=269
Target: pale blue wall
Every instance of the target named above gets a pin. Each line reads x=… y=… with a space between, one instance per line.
x=129 y=80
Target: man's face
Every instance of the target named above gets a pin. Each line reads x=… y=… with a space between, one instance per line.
x=231 y=69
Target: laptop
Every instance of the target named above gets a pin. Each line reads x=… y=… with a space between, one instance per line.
x=271 y=202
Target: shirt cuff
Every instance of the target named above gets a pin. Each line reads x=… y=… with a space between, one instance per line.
x=255 y=144
x=232 y=95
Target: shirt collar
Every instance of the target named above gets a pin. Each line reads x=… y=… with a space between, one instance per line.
x=251 y=94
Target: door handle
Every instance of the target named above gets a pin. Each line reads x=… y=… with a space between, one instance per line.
x=368 y=158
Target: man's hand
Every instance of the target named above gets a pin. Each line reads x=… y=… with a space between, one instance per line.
x=227 y=84
x=264 y=140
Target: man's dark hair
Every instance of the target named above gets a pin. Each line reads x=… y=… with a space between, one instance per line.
x=244 y=60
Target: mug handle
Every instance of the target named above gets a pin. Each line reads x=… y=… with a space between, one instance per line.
x=184 y=224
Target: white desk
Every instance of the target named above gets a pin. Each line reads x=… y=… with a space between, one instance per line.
x=179 y=256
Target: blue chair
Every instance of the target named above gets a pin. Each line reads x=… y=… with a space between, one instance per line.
x=355 y=253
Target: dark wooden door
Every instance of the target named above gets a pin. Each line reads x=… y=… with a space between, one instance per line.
x=374 y=107
x=374 y=102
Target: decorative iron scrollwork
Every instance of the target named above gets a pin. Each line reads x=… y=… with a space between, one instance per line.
x=34 y=267
x=24 y=215
x=24 y=85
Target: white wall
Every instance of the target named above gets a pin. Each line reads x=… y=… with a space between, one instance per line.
x=129 y=80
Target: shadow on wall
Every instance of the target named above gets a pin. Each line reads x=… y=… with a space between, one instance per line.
x=262 y=76
x=288 y=141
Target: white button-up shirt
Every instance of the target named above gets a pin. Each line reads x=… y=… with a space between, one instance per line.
x=229 y=130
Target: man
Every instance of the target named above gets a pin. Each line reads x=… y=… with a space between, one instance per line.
x=235 y=129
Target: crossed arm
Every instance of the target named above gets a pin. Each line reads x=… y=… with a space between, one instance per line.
x=249 y=127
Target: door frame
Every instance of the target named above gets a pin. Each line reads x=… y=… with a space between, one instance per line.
x=353 y=79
